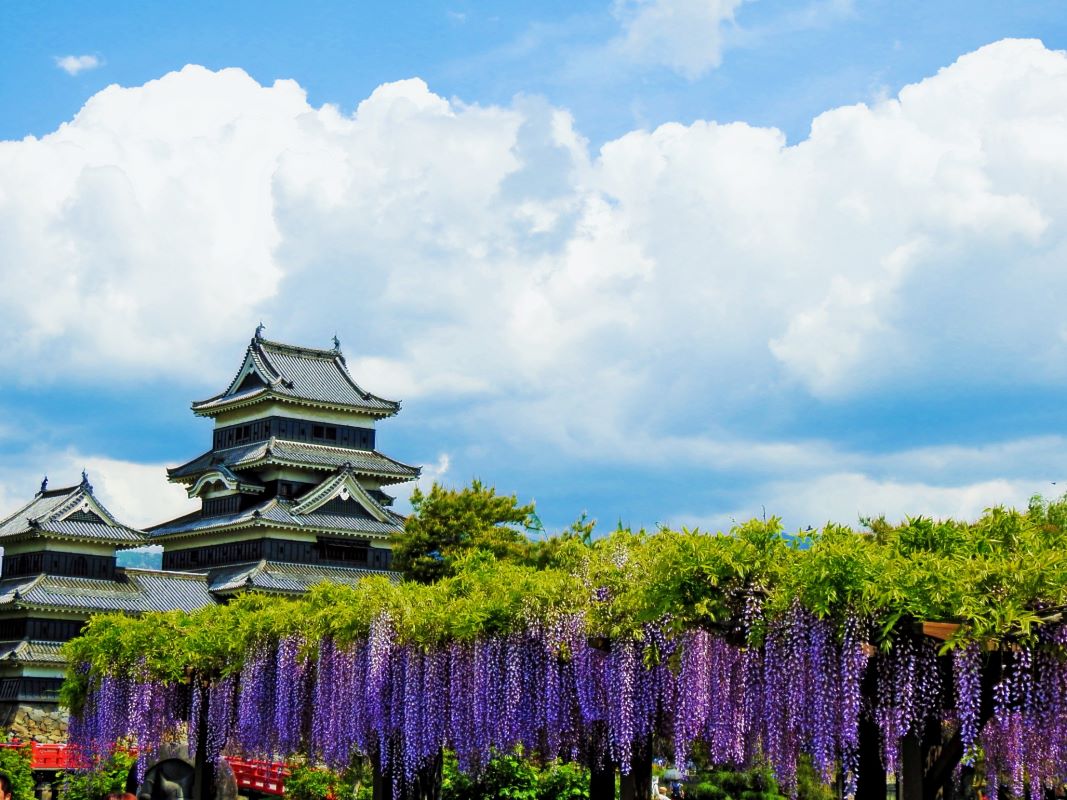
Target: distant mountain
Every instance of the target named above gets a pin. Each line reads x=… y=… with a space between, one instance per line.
x=149 y=557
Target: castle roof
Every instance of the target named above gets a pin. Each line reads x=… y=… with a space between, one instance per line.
x=133 y=591
x=281 y=452
x=73 y=514
x=279 y=576
x=300 y=375
x=33 y=652
x=281 y=513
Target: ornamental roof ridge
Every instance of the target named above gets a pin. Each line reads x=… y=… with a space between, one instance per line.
x=37 y=500
x=220 y=473
x=297 y=350
x=48 y=514
x=296 y=374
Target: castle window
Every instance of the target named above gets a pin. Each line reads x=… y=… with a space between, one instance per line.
x=343 y=551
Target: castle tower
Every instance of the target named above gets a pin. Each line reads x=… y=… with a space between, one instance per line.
x=292 y=489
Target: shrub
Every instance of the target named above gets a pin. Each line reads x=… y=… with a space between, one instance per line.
x=15 y=763
x=110 y=776
x=308 y=782
x=563 y=781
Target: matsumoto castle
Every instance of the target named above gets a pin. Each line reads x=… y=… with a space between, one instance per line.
x=292 y=492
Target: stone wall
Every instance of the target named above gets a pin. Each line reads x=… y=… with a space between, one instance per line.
x=45 y=722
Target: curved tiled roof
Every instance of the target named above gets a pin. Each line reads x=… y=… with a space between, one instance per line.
x=279 y=576
x=277 y=512
x=296 y=374
x=32 y=652
x=296 y=454
x=135 y=591
x=74 y=529
x=54 y=514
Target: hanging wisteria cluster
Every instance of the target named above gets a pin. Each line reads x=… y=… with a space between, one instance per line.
x=909 y=692
x=127 y=709
x=559 y=693
x=550 y=688
x=1025 y=740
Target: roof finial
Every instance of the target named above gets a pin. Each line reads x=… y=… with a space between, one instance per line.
x=259 y=330
x=85 y=482
x=44 y=485
x=336 y=342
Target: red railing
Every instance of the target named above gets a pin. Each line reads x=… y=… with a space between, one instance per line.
x=266 y=777
x=43 y=756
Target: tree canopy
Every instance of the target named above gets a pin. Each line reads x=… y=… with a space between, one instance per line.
x=446 y=523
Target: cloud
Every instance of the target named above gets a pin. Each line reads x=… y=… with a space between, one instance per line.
x=685 y=36
x=72 y=65
x=483 y=262
x=846 y=497
x=137 y=494
x=431 y=474
x=812 y=483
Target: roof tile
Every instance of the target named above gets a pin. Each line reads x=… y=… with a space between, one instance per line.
x=279 y=512
x=299 y=373
x=277 y=576
x=301 y=454
x=136 y=591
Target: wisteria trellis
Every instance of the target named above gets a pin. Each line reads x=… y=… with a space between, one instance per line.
x=559 y=694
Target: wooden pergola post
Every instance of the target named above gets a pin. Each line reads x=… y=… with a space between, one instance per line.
x=637 y=784
x=381 y=782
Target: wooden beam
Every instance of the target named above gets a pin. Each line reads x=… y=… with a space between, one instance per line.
x=940 y=630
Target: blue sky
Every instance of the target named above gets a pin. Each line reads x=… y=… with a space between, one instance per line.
x=670 y=261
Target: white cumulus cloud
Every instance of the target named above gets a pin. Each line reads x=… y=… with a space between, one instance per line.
x=813 y=483
x=683 y=35
x=137 y=494
x=485 y=256
x=72 y=65
x=846 y=498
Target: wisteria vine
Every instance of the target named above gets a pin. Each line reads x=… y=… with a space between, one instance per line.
x=561 y=694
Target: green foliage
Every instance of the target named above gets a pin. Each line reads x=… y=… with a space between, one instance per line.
x=506 y=775
x=809 y=786
x=512 y=776
x=754 y=784
x=563 y=781
x=15 y=763
x=447 y=523
x=98 y=783
x=565 y=548
x=757 y=783
x=308 y=782
x=992 y=576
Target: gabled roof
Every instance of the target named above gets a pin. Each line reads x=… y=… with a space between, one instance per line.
x=135 y=590
x=342 y=485
x=282 y=452
x=278 y=576
x=73 y=514
x=279 y=513
x=303 y=375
